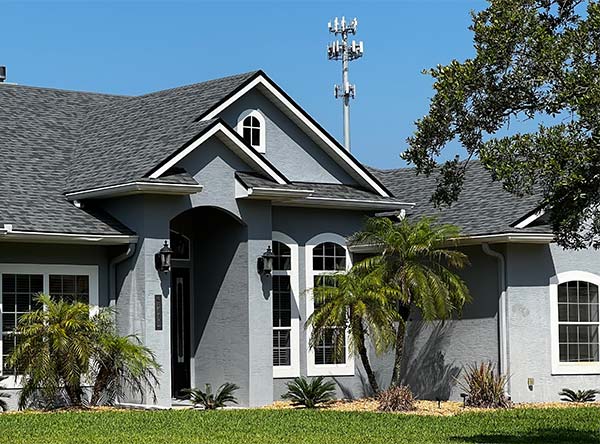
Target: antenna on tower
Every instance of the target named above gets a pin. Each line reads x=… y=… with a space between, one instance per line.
x=346 y=52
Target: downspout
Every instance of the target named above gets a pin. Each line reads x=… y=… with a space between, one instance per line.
x=112 y=272
x=504 y=364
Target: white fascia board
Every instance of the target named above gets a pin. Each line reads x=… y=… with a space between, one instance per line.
x=530 y=219
x=66 y=238
x=231 y=140
x=524 y=238
x=329 y=202
x=326 y=140
x=135 y=188
x=265 y=193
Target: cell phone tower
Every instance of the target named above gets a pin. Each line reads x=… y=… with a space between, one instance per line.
x=346 y=52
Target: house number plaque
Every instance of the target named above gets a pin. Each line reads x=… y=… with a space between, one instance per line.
x=158 y=312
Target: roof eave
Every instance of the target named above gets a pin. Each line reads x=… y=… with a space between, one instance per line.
x=138 y=187
x=66 y=238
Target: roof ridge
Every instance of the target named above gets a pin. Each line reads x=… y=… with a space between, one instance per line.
x=72 y=91
x=244 y=74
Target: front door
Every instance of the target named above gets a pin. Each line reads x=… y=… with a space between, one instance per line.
x=180 y=331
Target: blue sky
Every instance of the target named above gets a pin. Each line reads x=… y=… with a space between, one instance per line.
x=142 y=46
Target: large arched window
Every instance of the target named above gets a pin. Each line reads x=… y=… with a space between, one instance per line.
x=251 y=126
x=286 y=319
x=326 y=257
x=576 y=323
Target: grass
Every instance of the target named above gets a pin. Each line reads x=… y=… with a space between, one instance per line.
x=534 y=426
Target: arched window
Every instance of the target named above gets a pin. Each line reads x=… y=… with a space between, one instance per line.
x=576 y=323
x=286 y=320
x=251 y=126
x=326 y=257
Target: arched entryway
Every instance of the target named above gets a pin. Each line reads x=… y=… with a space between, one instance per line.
x=209 y=273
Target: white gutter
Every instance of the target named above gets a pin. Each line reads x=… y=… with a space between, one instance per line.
x=65 y=238
x=6 y=229
x=504 y=364
x=135 y=188
x=260 y=192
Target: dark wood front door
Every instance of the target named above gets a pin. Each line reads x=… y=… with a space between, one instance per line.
x=180 y=331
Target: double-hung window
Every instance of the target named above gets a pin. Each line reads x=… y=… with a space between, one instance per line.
x=285 y=307
x=327 y=256
x=20 y=284
x=576 y=323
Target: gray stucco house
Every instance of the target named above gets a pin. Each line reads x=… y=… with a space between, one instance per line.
x=94 y=185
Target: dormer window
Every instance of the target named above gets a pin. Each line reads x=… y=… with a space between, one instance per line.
x=251 y=126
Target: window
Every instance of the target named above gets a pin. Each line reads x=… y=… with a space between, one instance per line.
x=20 y=284
x=251 y=126
x=325 y=256
x=286 y=321
x=576 y=323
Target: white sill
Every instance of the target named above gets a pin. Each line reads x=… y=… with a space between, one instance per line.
x=331 y=370
x=576 y=368
x=285 y=371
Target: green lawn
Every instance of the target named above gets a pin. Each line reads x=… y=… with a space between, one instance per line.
x=532 y=426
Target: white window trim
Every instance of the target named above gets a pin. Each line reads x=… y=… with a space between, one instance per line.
x=292 y=370
x=262 y=147
x=47 y=269
x=313 y=369
x=568 y=368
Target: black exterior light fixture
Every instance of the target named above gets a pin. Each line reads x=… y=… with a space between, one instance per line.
x=162 y=259
x=264 y=264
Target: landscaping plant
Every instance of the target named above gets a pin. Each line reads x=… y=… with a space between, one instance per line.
x=3 y=404
x=309 y=392
x=485 y=388
x=569 y=395
x=359 y=300
x=396 y=399
x=210 y=400
x=418 y=266
x=61 y=346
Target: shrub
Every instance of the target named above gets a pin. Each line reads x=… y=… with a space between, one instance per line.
x=3 y=404
x=210 y=401
x=396 y=399
x=579 y=395
x=485 y=387
x=309 y=392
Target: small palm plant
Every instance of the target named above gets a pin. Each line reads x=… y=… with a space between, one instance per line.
x=309 y=392
x=569 y=395
x=3 y=404
x=485 y=387
x=210 y=401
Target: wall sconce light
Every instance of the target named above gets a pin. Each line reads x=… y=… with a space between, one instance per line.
x=264 y=263
x=162 y=259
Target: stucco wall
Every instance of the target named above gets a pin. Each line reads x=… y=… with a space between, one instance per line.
x=530 y=268
x=287 y=146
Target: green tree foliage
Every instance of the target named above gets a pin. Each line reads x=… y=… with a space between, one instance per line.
x=61 y=347
x=3 y=403
x=360 y=301
x=416 y=262
x=538 y=60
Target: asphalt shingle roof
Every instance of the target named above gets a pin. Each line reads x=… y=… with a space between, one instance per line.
x=123 y=140
x=484 y=207
x=322 y=190
x=38 y=129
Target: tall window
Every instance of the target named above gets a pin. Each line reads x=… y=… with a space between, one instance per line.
x=20 y=284
x=282 y=305
x=578 y=322
x=251 y=126
x=327 y=257
x=575 y=323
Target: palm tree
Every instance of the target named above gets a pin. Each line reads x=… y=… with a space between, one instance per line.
x=60 y=346
x=120 y=363
x=53 y=352
x=3 y=403
x=416 y=260
x=358 y=301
